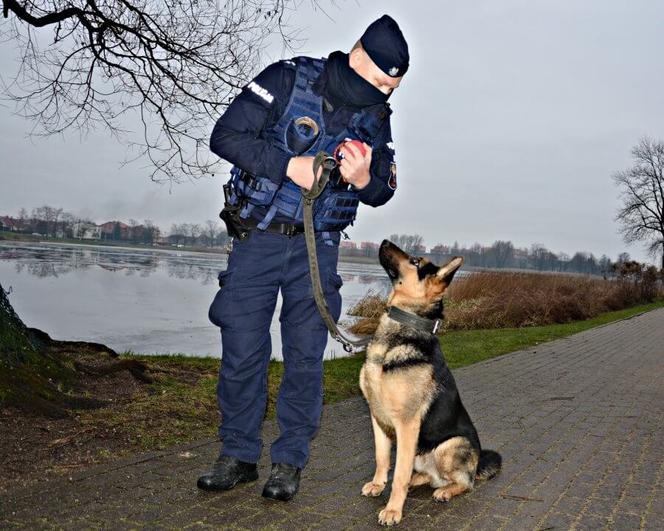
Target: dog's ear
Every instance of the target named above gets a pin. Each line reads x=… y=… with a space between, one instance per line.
x=446 y=272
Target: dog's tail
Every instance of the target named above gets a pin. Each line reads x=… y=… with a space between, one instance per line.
x=489 y=465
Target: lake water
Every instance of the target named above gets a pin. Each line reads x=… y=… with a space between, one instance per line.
x=149 y=302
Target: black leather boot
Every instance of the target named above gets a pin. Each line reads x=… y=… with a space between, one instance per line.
x=227 y=472
x=283 y=483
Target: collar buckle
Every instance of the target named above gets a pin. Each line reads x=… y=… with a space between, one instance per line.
x=431 y=326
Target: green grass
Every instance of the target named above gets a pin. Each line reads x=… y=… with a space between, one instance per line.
x=465 y=347
x=181 y=405
x=15 y=236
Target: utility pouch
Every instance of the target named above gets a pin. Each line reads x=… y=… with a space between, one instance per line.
x=259 y=191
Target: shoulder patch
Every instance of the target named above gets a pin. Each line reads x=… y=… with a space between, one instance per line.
x=392 y=181
x=260 y=92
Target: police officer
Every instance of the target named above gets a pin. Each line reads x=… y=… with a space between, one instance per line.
x=271 y=132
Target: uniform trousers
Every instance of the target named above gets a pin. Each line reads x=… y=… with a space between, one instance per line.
x=258 y=268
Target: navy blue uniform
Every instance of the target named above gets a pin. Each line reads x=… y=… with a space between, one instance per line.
x=235 y=135
x=265 y=263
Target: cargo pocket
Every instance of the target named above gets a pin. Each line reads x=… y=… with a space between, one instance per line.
x=220 y=306
x=224 y=277
x=332 y=286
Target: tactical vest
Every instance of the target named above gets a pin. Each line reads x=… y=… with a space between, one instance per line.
x=301 y=131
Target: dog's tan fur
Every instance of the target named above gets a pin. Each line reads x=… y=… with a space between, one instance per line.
x=399 y=400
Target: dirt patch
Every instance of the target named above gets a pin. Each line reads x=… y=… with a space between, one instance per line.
x=127 y=405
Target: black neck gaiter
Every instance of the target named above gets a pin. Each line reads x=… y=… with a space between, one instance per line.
x=344 y=86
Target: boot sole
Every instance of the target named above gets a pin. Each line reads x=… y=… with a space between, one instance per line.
x=286 y=498
x=245 y=479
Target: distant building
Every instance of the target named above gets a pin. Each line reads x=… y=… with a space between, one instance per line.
x=114 y=230
x=84 y=230
x=8 y=224
x=162 y=240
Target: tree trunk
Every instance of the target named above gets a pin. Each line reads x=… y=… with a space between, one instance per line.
x=39 y=374
x=29 y=375
x=15 y=346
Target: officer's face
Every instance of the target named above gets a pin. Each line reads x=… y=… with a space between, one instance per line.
x=366 y=68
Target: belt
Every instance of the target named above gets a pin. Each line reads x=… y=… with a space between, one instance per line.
x=286 y=229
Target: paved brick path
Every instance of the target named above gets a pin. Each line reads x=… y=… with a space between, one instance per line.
x=579 y=421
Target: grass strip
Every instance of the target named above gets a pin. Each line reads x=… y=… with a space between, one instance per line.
x=465 y=347
x=181 y=405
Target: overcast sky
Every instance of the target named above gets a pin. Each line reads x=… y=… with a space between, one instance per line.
x=508 y=125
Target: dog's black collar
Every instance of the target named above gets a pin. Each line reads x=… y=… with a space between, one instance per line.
x=432 y=326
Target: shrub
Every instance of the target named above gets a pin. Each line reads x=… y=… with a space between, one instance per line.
x=498 y=299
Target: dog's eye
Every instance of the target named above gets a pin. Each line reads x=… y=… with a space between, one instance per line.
x=415 y=261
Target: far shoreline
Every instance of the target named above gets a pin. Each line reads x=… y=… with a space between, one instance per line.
x=366 y=260
x=23 y=238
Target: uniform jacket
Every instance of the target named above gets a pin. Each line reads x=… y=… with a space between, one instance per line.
x=262 y=102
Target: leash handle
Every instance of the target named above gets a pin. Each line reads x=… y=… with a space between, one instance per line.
x=324 y=160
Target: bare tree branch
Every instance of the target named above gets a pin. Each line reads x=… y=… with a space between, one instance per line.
x=641 y=216
x=172 y=65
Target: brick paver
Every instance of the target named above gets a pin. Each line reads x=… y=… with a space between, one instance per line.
x=579 y=422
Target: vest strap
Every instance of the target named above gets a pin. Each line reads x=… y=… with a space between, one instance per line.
x=302 y=122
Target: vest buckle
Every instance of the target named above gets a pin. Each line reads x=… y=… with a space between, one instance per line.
x=249 y=180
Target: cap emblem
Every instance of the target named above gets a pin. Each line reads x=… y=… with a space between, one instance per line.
x=393 y=71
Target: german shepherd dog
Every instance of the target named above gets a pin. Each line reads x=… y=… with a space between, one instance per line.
x=412 y=394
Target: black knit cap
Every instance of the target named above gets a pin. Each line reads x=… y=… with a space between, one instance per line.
x=386 y=46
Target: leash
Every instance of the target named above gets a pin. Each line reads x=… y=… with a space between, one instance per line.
x=327 y=163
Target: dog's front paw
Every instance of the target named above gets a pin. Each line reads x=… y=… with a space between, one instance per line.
x=373 y=489
x=389 y=516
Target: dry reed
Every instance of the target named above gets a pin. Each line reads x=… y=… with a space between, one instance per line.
x=498 y=299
